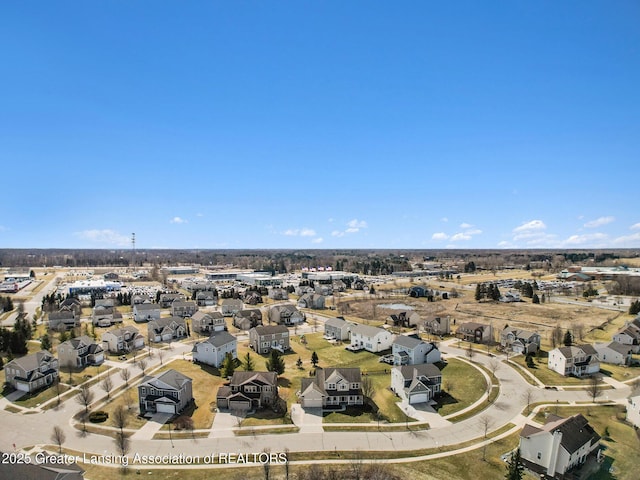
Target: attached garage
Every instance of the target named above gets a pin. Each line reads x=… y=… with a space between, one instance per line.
x=165 y=408
x=419 y=398
x=23 y=387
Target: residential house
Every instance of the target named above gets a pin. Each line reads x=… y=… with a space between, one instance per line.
x=63 y=320
x=411 y=350
x=71 y=303
x=633 y=408
x=145 y=312
x=419 y=291
x=125 y=339
x=183 y=308
x=438 y=326
x=169 y=392
x=285 y=314
x=629 y=335
x=249 y=391
x=510 y=297
x=475 y=332
x=252 y=298
x=558 y=446
x=247 y=319
x=519 y=341
x=263 y=338
x=32 y=372
x=104 y=302
x=80 y=352
x=166 y=329
x=278 y=294
x=372 y=339
x=230 y=306
x=311 y=300
x=404 y=319
x=324 y=289
x=614 y=353
x=213 y=350
x=206 y=298
x=332 y=387
x=167 y=299
x=337 y=328
x=579 y=360
x=416 y=383
x=205 y=323
x=138 y=298
x=105 y=316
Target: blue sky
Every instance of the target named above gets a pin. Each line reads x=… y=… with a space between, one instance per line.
x=324 y=124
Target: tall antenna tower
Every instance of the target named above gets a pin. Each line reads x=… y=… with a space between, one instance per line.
x=133 y=247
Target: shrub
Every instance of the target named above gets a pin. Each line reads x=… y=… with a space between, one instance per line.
x=98 y=416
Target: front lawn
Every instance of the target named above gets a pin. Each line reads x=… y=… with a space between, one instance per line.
x=462 y=386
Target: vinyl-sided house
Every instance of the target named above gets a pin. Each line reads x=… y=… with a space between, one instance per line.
x=263 y=338
x=629 y=335
x=80 y=352
x=166 y=299
x=416 y=383
x=247 y=319
x=285 y=314
x=579 y=360
x=559 y=445
x=438 y=326
x=32 y=372
x=475 y=332
x=404 y=319
x=614 y=353
x=332 y=387
x=311 y=300
x=409 y=350
x=166 y=329
x=249 y=391
x=231 y=306
x=372 y=339
x=519 y=341
x=208 y=322
x=170 y=392
x=206 y=298
x=145 y=312
x=337 y=328
x=63 y=320
x=278 y=294
x=125 y=339
x=183 y=308
x=633 y=408
x=104 y=316
x=213 y=350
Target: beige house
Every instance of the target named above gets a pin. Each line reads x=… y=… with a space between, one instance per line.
x=80 y=352
x=32 y=372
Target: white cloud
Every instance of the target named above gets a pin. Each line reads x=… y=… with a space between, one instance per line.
x=353 y=226
x=355 y=223
x=317 y=240
x=589 y=238
x=439 y=236
x=105 y=236
x=337 y=233
x=529 y=226
x=178 y=220
x=302 y=232
x=635 y=226
x=465 y=225
x=444 y=219
x=505 y=244
x=628 y=240
x=307 y=232
x=599 y=222
x=475 y=231
x=199 y=214
x=460 y=236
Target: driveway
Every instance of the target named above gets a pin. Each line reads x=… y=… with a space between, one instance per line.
x=224 y=423
x=153 y=425
x=309 y=420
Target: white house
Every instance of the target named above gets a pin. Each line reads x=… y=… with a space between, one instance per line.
x=337 y=328
x=629 y=335
x=558 y=446
x=520 y=341
x=409 y=350
x=125 y=339
x=372 y=339
x=416 y=383
x=633 y=409
x=80 y=352
x=145 y=312
x=614 y=353
x=578 y=361
x=213 y=350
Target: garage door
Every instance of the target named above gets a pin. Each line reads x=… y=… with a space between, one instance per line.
x=165 y=408
x=419 y=398
x=312 y=403
x=23 y=387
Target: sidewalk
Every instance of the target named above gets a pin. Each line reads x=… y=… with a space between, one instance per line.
x=153 y=425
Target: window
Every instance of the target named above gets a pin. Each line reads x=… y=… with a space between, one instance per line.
x=539 y=455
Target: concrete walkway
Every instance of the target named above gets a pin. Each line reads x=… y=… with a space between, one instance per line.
x=153 y=425
x=224 y=423
x=309 y=420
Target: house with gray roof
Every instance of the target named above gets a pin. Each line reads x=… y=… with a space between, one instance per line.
x=475 y=332
x=80 y=352
x=560 y=445
x=206 y=298
x=407 y=319
x=122 y=340
x=331 y=388
x=629 y=335
x=372 y=339
x=411 y=350
x=205 y=323
x=249 y=391
x=63 y=320
x=264 y=338
x=213 y=350
x=183 y=308
x=416 y=383
x=169 y=392
x=614 y=353
x=337 y=328
x=247 y=319
x=577 y=360
x=285 y=314
x=32 y=372
x=166 y=329
x=519 y=341
x=311 y=300
x=438 y=326
x=104 y=316
x=145 y=312
x=230 y=306
x=166 y=299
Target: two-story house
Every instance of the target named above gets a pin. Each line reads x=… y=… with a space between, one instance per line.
x=166 y=329
x=519 y=341
x=121 y=340
x=337 y=328
x=332 y=387
x=206 y=298
x=63 y=320
x=206 y=323
x=80 y=352
x=438 y=326
x=264 y=338
x=145 y=312
x=249 y=391
x=104 y=316
x=311 y=300
x=410 y=350
x=614 y=353
x=213 y=350
x=558 y=446
x=247 y=319
x=285 y=314
x=183 y=308
x=474 y=332
x=407 y=319
x=416 y=383
x=629 y=335
x=170 y=392
x=633 y=408
x=372 y=339
x=231 y=306
x=32 y=372
x=579 y=360
x=166 y=299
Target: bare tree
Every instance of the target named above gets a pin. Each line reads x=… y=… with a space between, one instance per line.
x=528 y=396
x=578 y=331
x=239 y=416
x=367 y=387
x=286 y=464
x=58 y=437
x=125 y=374
x=122 y=443
x=556 y=336
x=107 y=386
x=356 y=465
x=142 y=365
x=470 y=352
x=493 y=365
x=85 y=397
x=594 y=388
x=120 y=418
x=485 y=423
x=161 y=355
x=266 y=466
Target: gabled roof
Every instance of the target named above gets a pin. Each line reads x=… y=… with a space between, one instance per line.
x=169 y=379
x=616 y=347
x=146 y=306
x=264 y=378
x=122 y=330
x=407 y=341
x=335 y=322
x=428 y=370
x=576 y=432
x=32 y=361
x=366 y=330
x=270 y=329
x=218 y=339
x=519 y=333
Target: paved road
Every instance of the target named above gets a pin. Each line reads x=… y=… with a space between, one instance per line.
x=34 y=301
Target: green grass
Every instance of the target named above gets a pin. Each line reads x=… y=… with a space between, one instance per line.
x=38 y=398
x=462 y=385
x=619 y=372
x=545 y=374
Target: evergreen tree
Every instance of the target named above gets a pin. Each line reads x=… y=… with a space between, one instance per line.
x=45 y=343
x=1 y=363
x=535 y=298
x=568 y=338
x=495 y=293
x=299 y=363
x=64 y=336
x=478 y=295
x=275 y=362
x=634 y=308
x=248 y=364
x=515 y=468
x=314 y=359
x=228 y=365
